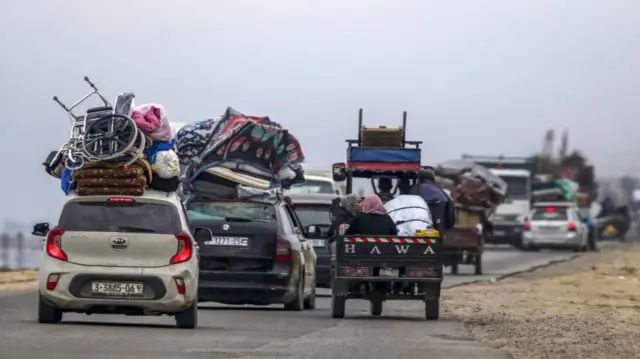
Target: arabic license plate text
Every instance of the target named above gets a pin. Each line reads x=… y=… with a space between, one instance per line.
x=388 y=272
x=499 y=233
x=318 y=242
x=228 y=241
x=117 y=289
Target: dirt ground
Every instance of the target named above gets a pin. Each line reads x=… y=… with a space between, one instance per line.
x=588 y=307
x=17 y=280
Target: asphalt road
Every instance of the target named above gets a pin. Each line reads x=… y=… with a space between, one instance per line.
x=257 y=332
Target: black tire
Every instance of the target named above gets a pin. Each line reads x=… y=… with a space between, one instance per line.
x=454 y=268
x=338 y=306
x=188 y=318
x=48 y=314
x=297 y=304
x=310 y=301
x=375 y=307
x=432 y=309
x=478 y=264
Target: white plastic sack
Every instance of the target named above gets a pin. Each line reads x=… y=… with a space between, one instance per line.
x=409 y=213
x=167 y=164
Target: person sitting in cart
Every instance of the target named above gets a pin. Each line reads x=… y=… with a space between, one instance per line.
x=385 y=185
x=409 y=212
x=440 y=204
x=372 y=219
x=348 y=210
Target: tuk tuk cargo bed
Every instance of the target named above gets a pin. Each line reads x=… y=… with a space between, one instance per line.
x=367 y=258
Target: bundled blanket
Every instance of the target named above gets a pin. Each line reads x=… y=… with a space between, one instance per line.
x=248 y=150
x=473 y=187
x=555 y=190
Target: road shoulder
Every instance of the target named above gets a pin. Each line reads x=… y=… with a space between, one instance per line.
x=586 y=307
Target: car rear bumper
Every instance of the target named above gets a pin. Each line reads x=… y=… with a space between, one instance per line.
x=238 y=287
x=506 y=234
x=560 y=241
x=73 y=291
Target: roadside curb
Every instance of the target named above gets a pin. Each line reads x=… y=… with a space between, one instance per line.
x=523 y=271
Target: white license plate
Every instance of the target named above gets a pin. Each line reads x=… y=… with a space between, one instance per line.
x=318 y=242
x=499 y=233
x=228 y=241
x=117 y=289
x=387 y=272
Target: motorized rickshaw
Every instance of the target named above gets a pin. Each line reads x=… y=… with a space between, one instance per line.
x=380 y=268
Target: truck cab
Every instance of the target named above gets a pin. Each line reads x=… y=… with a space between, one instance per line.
x=509 y=217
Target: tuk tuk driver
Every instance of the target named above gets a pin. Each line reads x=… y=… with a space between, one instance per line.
x=385 y=185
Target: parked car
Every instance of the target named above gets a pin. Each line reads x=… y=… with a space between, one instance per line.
x=253 y=253
x=121 y=255
x=313 y=210
x=555 y=225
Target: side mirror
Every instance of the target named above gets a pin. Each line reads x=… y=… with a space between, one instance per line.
x=40 y=229
x=298 y=231
x=339 y=171
x=202 y=235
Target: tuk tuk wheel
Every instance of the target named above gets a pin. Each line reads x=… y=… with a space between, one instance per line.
x=478 y=264
x=338 y=306
x=432 y=309
x=375 y=307
x=454 y=268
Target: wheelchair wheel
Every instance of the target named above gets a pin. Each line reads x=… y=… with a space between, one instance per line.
x=138 y=147
x=74 y=162
x=109 y=136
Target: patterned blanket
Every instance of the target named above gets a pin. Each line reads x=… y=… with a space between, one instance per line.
x=262 y=146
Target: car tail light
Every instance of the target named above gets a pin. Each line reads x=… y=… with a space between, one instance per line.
x=527 y=226
x=571 y=226
x=421 y=272
x=356 y=271
x=54 y=244
x=52 y=281
x=283 y=251
x=180 y=285
x=185 y=248
x=121 y=200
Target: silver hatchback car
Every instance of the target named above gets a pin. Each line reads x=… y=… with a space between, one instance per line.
x=120 y=255
x=555 y=225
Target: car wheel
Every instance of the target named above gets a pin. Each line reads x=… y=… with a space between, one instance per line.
x=48 y=314
x=297 y=304
x=310 y=302
x=188 y=318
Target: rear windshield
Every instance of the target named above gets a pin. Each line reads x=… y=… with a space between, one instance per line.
x=549 y=214
x=313 y=214
x=312 y=186
x=229 y=211
x=120 y=217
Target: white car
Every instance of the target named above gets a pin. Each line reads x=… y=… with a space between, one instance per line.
x=555 y=225
x=119 y=255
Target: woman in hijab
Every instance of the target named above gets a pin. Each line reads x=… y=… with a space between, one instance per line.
x=372 y=219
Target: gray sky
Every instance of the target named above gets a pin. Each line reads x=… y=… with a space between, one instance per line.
x=476 y=76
